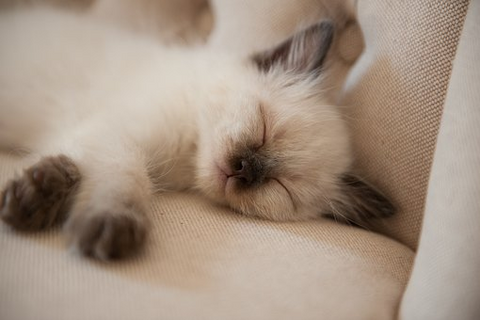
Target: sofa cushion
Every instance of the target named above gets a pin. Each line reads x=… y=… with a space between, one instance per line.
x=205 y=262
x=396 y=93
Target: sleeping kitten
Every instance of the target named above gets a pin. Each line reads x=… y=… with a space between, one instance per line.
x=113 y=118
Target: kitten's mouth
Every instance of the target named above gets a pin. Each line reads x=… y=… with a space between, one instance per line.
x=227 y=180
x=223 y=176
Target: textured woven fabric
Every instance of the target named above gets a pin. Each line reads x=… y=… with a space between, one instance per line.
x=203 y=262
x=395 y=95
x=445 y=282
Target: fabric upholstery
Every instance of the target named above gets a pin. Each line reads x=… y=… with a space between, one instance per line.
x=203 y=262
x=445 y=282
x=395 y=95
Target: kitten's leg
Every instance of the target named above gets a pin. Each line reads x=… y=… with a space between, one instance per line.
x=41 y=196
x=103 y=185
x=108 y=219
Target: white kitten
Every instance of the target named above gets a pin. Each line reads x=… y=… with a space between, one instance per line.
x=114 y=117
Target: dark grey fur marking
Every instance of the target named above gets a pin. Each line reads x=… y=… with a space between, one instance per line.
x=41 y=196
x=359 y=202
x=304 y=53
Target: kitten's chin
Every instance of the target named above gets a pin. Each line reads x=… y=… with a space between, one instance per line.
x=212 y=183
x=270 y=200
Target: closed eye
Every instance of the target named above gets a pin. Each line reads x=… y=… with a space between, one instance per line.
x=286 y=189
x=264 y=137
x=264 y=131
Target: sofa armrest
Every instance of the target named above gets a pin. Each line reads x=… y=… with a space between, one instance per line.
x=445 y=282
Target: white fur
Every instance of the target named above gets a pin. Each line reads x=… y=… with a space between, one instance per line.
x=137 y=117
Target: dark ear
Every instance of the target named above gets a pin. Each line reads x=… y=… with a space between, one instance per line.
x=359 y=202
x=305 y=52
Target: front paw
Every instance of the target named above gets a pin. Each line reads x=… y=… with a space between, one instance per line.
x=39 y=198
x=107 y=235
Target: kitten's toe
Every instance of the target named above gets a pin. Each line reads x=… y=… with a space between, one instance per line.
x=107 y=235
x=37 y=199
x=9 y=211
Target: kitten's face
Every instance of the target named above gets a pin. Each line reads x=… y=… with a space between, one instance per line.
x=272 y=146
x=272 y=150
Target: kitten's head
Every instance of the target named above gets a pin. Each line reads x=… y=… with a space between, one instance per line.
x=272 y=145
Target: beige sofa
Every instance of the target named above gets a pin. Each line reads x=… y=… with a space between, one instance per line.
x=412 y=101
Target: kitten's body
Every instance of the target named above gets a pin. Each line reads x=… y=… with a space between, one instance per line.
x=71 y=79
x=133 y=117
